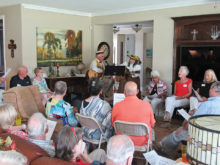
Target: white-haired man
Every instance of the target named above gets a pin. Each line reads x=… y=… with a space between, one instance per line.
x=120 y=150
x=37 y=129
x=97 y=69
x=21 y=79
x=97 y=66
x=132 y=109
x=211 y=107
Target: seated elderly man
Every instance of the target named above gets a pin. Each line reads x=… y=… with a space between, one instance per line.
x=132 y=109
x=60 y=109
x=120 y=150
x=37 y=129
x=210 y=107
x=21 y=79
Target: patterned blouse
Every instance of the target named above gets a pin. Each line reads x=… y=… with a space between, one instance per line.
x=60 y=109
x=18 y=133
x=101 y=111
x=42 y=85
x=161 y=87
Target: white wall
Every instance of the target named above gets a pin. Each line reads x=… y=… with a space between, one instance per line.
x=12 y=18
x=147 y=61
x=103 y=33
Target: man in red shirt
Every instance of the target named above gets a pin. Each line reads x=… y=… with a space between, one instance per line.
x=132 y=109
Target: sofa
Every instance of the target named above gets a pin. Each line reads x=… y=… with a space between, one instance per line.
x=34 y=154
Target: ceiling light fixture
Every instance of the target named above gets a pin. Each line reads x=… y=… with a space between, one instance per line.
x=137 y=27
x=116 y=29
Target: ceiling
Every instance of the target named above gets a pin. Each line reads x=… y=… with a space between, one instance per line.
x=102 y=7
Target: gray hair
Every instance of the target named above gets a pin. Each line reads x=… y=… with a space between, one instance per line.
x=214 y=78
x=155 y=73
x=119 y=148
x=7 y=115
x=37 y=125
x=12 y=157
x=60 y=87
x=216 y=86
x=185 y=68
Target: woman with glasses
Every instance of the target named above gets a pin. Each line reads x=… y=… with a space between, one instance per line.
x=40 y=81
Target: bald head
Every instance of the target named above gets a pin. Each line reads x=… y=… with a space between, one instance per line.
x=130 y=89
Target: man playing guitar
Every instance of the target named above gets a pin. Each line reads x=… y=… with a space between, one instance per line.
x=97 y=66
x=97 y=69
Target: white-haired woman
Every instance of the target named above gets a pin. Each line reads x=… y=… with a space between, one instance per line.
x=7 y=119
x=157 y=91
x=182 y=92
x=203 y=90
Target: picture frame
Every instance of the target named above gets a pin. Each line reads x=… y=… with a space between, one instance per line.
x=149 y=52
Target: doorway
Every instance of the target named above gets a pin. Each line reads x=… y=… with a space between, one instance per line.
x=129 y=40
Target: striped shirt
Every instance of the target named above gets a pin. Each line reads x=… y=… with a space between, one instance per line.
x=101 y=111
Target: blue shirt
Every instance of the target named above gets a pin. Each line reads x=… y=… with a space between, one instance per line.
x=46 y=145
x=210 y=107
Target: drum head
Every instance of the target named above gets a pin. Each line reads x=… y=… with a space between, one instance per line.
x=206 y=122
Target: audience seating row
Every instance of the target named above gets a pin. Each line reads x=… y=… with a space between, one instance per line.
x=34 y=153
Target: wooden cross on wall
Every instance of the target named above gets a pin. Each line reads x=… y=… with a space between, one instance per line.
x=12 y=46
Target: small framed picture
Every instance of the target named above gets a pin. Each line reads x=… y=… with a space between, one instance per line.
x=149 y=52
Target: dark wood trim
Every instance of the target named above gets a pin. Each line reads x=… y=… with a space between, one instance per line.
x=183 y=37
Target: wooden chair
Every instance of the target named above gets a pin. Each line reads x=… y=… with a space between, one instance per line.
x=134 y=129
x=91 y=123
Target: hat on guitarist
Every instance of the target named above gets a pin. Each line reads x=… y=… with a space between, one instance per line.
x=99 y=53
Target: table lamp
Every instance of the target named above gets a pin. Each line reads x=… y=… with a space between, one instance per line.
x=203 y=144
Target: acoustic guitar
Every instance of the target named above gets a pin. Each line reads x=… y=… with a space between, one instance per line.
x=92 y=73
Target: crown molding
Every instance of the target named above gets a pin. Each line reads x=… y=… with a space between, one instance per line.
x=121 y=11
x=56 y=10
x=152 y=7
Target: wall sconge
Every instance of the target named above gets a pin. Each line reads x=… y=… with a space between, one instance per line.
x=137 y=27
x=116 y=29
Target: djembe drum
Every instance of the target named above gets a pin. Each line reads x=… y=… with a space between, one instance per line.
x=203 y=145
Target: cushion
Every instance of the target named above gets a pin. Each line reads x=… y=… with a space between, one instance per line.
x=22 y=99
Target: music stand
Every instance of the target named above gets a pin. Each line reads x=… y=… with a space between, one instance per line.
x=114 y=71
